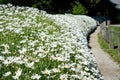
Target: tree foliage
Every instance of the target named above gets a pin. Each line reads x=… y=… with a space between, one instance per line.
x=92 y=3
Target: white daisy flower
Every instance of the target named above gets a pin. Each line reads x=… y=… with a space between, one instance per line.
x=46 y=71
x=35 y=76
x=64 y=77
x=7 y=73
x=18 y=74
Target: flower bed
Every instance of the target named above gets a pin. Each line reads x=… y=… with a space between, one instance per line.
x=37 y=45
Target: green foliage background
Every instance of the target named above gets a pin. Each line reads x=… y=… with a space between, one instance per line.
x=78 y=8
x=52 y=6
x=87 y=7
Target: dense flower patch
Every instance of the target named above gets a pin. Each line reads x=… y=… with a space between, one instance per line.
x=37 y=45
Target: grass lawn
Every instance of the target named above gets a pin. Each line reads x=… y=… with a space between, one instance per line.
x=105 y=46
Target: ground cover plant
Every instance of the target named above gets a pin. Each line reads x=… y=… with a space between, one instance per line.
x=37 y=45
x=113 y=52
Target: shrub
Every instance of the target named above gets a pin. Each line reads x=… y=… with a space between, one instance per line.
x=78 y=8
x=118 y=19
x=5 y=1
x=42 y=4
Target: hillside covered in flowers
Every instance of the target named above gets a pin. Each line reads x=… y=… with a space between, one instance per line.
x=41 y=46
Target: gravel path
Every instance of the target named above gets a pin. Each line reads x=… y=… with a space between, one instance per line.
x=109 y=69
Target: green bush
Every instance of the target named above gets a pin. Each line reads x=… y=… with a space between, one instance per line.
x=5 y=1
x=1 y=1
x=118 y=18
x=78 y=8
x=42 y=4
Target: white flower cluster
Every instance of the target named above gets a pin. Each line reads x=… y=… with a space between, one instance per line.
x=37 y=45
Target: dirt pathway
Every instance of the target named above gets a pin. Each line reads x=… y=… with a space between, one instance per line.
x=109 y=69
